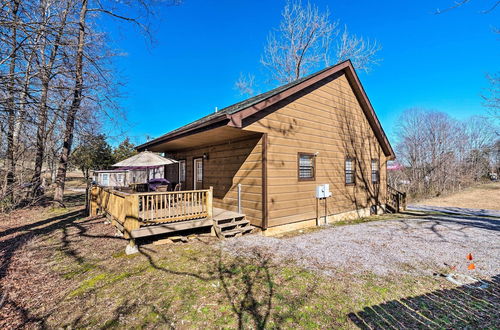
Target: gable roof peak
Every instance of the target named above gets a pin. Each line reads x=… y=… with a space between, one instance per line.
x=234 y=113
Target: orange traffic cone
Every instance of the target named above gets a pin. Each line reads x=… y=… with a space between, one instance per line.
x=471 y=264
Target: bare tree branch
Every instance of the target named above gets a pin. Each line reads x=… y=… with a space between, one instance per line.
x=463 y=2
x=303 y=43
x=245 y=84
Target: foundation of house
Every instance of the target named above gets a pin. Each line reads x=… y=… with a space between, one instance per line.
x=309 y=223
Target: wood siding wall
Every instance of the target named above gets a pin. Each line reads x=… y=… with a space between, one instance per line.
x=329 y=120
x=230 y=164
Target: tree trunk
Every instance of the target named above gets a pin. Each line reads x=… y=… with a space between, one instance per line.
x=40 y=137
x=75 y=106
x=11 y=156
x=46 y=76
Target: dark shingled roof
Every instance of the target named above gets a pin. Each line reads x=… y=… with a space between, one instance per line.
x=233 y=116
x=241 y=105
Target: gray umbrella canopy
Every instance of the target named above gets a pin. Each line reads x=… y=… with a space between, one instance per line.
x=145 y=159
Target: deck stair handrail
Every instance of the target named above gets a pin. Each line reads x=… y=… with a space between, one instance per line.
x=396 y=200
x=133 y=210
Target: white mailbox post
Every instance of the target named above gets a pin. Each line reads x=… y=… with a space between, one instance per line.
x=322 y=192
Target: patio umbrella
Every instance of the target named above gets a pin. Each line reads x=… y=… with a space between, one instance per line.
x=145 y=159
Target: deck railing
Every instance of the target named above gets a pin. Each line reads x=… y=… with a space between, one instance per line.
x=174 y=205
x=396 y=199
x=133 y=210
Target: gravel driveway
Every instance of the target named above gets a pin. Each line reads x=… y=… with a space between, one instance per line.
x=421 y=244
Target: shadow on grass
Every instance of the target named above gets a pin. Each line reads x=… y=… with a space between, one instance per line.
x=14 y=239
x=461 y=307
x=247 y=284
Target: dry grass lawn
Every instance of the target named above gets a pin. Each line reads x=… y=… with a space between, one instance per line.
x=59 y=269
x=484 y=196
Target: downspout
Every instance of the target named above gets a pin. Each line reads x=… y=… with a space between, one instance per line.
x=239 y=198
x=265 y=213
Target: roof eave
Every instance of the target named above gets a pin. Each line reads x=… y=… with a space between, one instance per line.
x=177 y=134
x=236 y=119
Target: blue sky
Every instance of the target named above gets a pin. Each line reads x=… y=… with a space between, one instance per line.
x=432 y=61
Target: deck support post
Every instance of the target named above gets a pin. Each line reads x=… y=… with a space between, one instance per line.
x=317 y=212
x=210 y=209
x=131 y=247
x=131 y=215
x=210 y=199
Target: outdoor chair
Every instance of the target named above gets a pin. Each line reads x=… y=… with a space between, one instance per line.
x=162 y=188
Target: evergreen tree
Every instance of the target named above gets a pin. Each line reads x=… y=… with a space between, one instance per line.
x=124 y=150
x=94 y=153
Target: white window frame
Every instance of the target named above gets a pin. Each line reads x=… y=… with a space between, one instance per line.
x=182 y=171
x=375 y=166
x=197 y=173
x=350 y=172
x=103 y=176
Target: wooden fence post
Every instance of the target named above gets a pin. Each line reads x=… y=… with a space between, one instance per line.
x=210 y=194
x=131 y=205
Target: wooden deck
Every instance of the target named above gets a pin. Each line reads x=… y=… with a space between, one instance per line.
x=145 y=214
x=133 y=211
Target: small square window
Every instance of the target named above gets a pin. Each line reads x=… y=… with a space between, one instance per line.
x=350 y=173
x=306 y=167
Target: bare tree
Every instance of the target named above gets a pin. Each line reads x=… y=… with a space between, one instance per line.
x=48 y=46
x=362 y=52
x=11 y=91
x=56 y=83
x=298 y=43
x=440 y=154
x=112 y=9
x=492 y=99
x=303 y=42
x=75 y=104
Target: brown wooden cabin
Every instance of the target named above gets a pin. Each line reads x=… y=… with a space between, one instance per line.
x=266 y=155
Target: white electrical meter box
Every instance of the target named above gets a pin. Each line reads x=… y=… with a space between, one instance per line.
x=323 y=191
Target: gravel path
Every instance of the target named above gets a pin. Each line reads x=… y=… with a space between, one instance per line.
x=456 y=210
x=418 y=245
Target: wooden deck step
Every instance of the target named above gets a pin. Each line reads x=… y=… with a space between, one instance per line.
x=231 y=233
x=239 y=223
x=390 y=209
x=229 y=220
x=230 y=224
x=247 y=229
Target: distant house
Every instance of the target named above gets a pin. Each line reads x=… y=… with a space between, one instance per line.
x=119 y=178
x=265 y=156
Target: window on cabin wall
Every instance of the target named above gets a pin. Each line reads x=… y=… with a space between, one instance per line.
x=375 y=171
x=105 y=179
x=182 y=171
x=350 y=174
x=306 y=166
x=120 y=179
x=199 y=169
